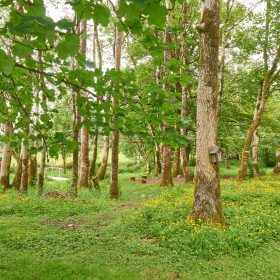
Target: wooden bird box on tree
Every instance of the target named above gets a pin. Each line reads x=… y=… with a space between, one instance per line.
x=216 y=154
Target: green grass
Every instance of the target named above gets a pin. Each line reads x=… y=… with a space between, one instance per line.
x=143 y=235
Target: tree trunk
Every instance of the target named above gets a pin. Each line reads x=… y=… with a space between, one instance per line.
x=94 y=156
x=6 y=158
x=276 y=169
x=166 y=175
x=64 y=163
x=166 y=172
x=157 y=159
x=41 y=175
x=84 y=167
x=255 y=153
x=176 y=162
x=114 y=184
x=17 y=178
x=207 y=204
x=25 y=160
x=100 y=174
x=184 y=151
x=32 y=172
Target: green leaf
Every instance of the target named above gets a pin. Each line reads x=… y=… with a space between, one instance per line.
x=101 y=15
x=21 y=51
x=68 y=47
x=6 y=63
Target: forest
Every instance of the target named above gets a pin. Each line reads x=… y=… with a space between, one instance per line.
x=140 y=139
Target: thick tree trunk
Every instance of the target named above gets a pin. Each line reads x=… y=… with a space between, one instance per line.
x=100 y=174
x=166 y=175
x=114 y=184
x=94 y=156
x=276 y=169
x=6 y=158
x=207 y=204
x=41 y=175
x=255 y=154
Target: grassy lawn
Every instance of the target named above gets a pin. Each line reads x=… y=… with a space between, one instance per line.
x=144 y=235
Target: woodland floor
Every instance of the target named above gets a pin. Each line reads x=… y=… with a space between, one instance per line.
x=144 y=235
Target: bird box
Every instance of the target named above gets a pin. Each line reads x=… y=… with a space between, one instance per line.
x=216 y=154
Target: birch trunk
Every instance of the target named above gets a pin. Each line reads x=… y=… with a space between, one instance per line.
x=6 y=158
x=100 y=174
x=207 y=204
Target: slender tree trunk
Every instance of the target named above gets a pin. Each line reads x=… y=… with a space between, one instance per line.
x=166 y=172
x=176 y=162
x=17 y=178
x=100 y=174
x=255 y=153
x=6 y=158
x=41 y=175
x=184 y=151
x=84 y=167
x=114 y=184
x=64 y=163
x=157 y=159
x=276 y=169
x=25 y=160
x=94 y=156
x=207 y=204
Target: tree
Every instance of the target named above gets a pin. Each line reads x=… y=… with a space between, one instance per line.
x=207 y=204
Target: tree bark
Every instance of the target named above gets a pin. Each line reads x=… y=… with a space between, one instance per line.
x=100 y=174
x=32 y=172
x=157 y=159
x=166 y=172
x=255 y=153
x=166 y=175
x=276 y=169
x=17 y=178
x=6 y=158
x=184 y=151
x=207 y=204
x=114 y=184
x=94 y=156
x=41 y=175
x=84 y=167
x=176 y=163
x=25 y=159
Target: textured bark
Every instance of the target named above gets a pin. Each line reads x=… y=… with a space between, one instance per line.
x=100 y=174
x=41 y=174
x=166 y=176
x=84 y=157
x=114 y=184
x=255 y=154
x=207 y=204
x=64 y=163
x=32 y=172
x=6 y=158
x=94 y=156
x=276 y=169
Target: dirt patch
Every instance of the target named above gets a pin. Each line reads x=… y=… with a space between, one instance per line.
x=147 y=239
x=70 y=224
x=56 y=194
x=154 y=180
x=126 y=206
